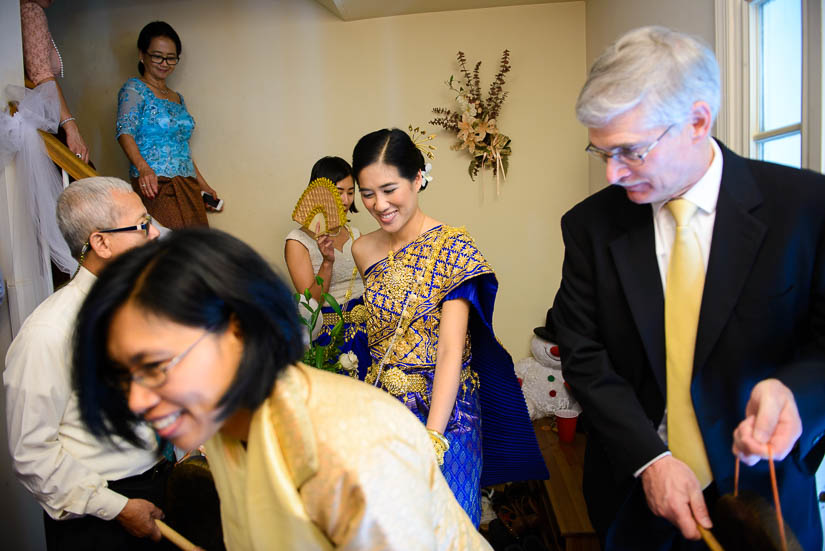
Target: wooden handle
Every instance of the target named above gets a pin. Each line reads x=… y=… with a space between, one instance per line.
x=175 y=537
x=709 y=539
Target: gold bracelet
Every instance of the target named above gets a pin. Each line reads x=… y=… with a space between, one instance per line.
x=440 y=444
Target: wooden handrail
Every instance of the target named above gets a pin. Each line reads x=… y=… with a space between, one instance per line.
x=59 y=153
x=65 y=159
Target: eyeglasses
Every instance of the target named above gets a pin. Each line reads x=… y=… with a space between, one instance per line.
x=627 y=155
x=153 y=375
x=143 y=226
x=170 y=60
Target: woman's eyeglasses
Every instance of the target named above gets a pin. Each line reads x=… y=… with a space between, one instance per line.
x=170 y=60
x=154 y=374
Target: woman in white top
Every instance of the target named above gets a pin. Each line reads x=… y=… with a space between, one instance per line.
x=329 y=256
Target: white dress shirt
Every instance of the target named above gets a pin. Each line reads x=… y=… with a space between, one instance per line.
x=704 y=195
x=54 y=455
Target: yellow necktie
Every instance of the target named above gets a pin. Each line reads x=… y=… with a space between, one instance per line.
x=683 y=299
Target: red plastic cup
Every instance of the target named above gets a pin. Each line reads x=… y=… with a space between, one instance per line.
x=566 y=423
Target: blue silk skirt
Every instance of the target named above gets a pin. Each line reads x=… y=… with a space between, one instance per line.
x=462 y=462
x=355 y=337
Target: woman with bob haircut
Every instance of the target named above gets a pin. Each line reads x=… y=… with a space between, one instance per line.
x=196 y=335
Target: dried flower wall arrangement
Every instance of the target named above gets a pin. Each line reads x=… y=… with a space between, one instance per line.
x=474 y=122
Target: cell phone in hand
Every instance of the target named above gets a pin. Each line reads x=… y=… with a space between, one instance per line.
x=216 y=204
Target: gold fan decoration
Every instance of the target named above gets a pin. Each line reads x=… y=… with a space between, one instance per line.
x=320 y=203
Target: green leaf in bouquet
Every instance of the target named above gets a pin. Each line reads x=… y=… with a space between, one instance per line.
x=336 y=329
x=332 y=302
x=319 y=281
x=307 y=294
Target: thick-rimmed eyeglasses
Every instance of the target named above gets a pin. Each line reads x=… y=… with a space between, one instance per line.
x=631 y=156
x=153 y=375
x=144 y=226
x=159 y=59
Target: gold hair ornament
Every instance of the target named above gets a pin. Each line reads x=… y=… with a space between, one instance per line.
x=420 y=138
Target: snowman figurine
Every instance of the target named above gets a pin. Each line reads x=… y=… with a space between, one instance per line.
x=540 y=375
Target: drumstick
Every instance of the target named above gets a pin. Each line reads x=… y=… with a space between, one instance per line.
x=709 y=539
x=175 y=537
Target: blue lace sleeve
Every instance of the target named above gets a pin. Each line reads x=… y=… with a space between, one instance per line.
x=129 y=110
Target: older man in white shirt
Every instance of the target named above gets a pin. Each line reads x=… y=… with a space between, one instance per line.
x=81 y=482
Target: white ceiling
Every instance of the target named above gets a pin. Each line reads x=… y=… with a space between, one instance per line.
x=351 y=10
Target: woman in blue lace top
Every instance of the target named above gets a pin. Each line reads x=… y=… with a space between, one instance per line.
x=154 y=127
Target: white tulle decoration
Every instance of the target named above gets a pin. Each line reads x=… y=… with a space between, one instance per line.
x=37 y=109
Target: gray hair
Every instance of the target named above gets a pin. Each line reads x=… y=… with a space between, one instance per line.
x=87 y=206
x=663 y=70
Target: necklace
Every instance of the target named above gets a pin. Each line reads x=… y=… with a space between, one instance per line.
x=411 y=302
x=420 y=229
x=348 y=294
x=162 y=91
x=358 y=314
x=398 y=277
x=59 y=57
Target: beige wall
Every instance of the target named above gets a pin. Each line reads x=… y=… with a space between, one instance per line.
x=607 y=20
x=276 y=84
x=273 y=86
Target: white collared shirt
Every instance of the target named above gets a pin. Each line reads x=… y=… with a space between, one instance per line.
x=704 y=194
x=54 y=455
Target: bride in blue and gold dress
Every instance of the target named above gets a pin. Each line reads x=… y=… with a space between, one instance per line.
x=430 y=294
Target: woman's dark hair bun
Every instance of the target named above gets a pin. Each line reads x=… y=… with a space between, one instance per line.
x=392 y=147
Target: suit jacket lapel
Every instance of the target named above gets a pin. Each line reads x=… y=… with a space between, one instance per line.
x=634 y=255
x=737 y=237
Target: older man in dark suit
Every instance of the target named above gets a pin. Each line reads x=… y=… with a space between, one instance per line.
x=691 y=312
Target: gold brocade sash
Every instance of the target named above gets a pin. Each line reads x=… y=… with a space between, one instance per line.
x=358 y=314
x=398 y=382
x=445 y=257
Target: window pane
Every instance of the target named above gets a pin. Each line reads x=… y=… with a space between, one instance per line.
x=786 y=150
x=781 y=71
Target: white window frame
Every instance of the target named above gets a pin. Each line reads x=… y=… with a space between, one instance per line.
x=736 y=41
